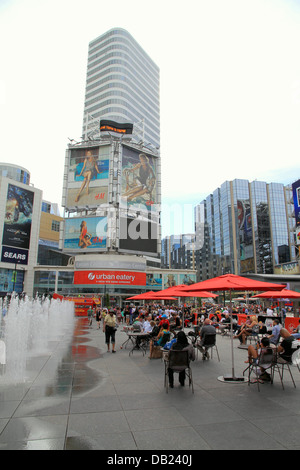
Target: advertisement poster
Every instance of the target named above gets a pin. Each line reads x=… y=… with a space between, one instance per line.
x=139 y=175
x=18 y=217
x=88 y=176
x=154 y=280
x=187 y=279
x=170 y=280
x=85 y=233
x=296 y=198
x=11 y=280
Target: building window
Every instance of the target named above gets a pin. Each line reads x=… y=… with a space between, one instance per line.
x=55 y=225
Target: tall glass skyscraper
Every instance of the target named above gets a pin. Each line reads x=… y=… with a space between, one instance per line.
x=122 y=85
x=248 y=228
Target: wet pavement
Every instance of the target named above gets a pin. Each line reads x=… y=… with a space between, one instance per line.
x=80 y=397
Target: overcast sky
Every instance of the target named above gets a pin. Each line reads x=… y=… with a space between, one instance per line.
x=230 y=87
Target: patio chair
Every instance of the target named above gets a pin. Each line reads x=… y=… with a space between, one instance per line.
x=296 y=359
x=209 y=343
x=282 y=364
x=178 y=361
x=266 y=361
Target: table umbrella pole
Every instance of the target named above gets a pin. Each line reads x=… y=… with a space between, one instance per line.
x=231 y=330
x=231 y=378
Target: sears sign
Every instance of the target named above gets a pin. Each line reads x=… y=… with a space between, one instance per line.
x=14 y=255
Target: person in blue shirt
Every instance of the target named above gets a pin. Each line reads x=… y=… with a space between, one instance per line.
x=274 y=337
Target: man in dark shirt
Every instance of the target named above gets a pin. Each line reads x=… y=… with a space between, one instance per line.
x=284 y=349
x=206 y=330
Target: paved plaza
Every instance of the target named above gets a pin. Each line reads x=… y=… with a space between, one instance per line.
x=80 y=397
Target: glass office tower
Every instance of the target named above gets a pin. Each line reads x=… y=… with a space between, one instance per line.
x=122 y=85
x=248 y=229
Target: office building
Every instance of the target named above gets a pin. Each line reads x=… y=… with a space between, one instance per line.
x=122 y=85
x=246 y=228
x=20 y=213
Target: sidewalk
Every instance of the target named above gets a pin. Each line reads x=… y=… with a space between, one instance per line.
x=81 y=397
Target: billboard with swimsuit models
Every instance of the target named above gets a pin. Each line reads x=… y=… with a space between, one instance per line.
x=85 y=233
x=139 y=180
x=87 y=179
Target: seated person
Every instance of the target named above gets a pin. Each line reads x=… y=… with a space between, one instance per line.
x=137 y=325
x=285 y=349
x=177 y=323
x=246 y=329
x=155 y=329
x=163 y=335
x=181 y=344
x=274 y=337
x=225 y=323
x=207 y=329
x=296 y=332
x=214 y=320
x=147 y=327
x=162 y=338
x=253 y=356
x=163 y=320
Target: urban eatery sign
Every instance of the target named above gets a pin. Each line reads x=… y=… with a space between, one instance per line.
x=117 y=278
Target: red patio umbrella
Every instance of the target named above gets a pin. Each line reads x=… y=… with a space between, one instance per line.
x=202 y=293
x=142 y=296
x=178 y=291
x=230 y=282
x=151 y=295
x=281 y=294
x=160 y=297
x=169 y=290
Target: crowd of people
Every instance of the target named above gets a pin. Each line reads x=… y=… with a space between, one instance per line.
x=161 y=323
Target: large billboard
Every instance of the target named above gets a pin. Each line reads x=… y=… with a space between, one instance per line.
x=139 y=180
x=85 y=234
x=87 y=179
x=116 y=278
x=138 y=235
x=296 y=198
x=18 y=217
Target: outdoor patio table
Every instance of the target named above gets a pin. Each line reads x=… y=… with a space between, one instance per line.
x=134 y=336
x=127 y=329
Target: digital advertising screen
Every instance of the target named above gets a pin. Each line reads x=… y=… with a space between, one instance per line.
x=113 y=126
x=85 y=234
x=87 y=182
x=138 y=235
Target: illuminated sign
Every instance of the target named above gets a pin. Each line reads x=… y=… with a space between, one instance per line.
x=112 y=126
x=125 y=278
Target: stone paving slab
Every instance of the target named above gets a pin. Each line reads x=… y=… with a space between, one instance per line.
x=81 y=397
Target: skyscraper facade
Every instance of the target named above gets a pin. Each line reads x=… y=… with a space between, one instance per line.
x=112 y=182
x=246 y=228
x=122 y=85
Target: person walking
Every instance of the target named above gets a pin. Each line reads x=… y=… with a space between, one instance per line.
x=98 y=316
x=109 y=327
x=90 y=313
